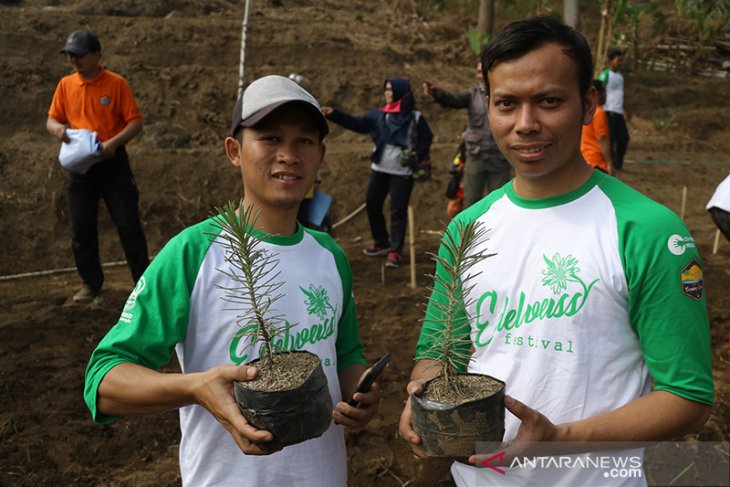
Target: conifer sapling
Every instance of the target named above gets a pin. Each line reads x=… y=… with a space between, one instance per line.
x=254 y=271
x=448 y=321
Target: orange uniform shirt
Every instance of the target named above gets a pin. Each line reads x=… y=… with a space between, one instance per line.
x=104 y=105
x=597 y=129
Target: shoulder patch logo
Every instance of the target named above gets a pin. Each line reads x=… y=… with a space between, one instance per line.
x=693 y=281
x=677 y=244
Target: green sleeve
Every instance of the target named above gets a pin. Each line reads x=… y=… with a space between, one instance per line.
x=603 y=76
x=349 y=347
x=155 y=316
x=667 y=304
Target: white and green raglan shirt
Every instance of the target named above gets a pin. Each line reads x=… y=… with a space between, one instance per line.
x=177 y=306
x=592 y=299
x=614 y=82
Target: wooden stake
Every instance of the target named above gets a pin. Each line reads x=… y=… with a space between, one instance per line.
x=242 y=62
x=684 y=202
x=717 y=242
x=412 y=246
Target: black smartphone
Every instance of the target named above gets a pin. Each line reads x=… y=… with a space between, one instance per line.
x=367 y=382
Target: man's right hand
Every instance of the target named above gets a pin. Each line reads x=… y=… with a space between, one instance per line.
x=430 y=89
x=405 y=427
x=57 y=129
x=215 y=393
x=60 y=134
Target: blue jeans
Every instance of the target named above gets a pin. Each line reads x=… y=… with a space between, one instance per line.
x=112 y=181
x=400 y=188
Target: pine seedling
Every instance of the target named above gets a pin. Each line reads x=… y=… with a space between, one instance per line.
x=254 y=271
x=448 y=323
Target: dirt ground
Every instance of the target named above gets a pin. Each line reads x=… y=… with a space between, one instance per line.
x=181 y=58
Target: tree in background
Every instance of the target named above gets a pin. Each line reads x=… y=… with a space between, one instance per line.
x=708 y=19
x=633 y=13
x=485 y=21
x=614 y=15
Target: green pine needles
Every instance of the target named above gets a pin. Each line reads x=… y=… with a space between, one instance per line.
x=254 y=271
x=448 y=321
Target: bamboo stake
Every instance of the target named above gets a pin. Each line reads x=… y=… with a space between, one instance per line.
x=244 y=30
x=609 y=31
x=412 y=246
x=350 y=216
x=56 y=271
x=684 y=202
x=601 y=32
x=717 y=242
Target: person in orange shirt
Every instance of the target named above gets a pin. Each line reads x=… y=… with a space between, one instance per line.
x=595 y=141
x=100 y=101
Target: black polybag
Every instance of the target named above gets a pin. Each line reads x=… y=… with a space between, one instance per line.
x=292 y=416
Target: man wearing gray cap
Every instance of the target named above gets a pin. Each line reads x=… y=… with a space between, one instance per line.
x=276 y=143
x=102 y=103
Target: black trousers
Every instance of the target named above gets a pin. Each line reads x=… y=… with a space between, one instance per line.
x=112 y=181
x=399 y=188
x=619 y=134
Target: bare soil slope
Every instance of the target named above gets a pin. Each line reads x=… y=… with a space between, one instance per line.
x=181 y=58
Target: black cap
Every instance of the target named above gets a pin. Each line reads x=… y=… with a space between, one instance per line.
x=81 y=43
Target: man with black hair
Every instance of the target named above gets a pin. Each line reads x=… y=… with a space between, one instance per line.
x=485 y=168
x=592 y=308
x=101 y=102
x=614 y=107
x=595 y=141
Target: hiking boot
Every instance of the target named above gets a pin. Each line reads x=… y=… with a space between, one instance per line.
x=85 y=294
x=374 y=251
x=393 y=260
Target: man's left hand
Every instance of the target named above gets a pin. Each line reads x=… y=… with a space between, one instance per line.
x=422 y=171
x=107 y=150
x=357 y=417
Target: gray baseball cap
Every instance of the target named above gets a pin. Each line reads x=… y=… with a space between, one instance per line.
x=266 y=94
x=81 y=43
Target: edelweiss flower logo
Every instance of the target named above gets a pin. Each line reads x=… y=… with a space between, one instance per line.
x=559 y=271
x=317 y=301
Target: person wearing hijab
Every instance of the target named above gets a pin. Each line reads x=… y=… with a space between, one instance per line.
x=402 y=140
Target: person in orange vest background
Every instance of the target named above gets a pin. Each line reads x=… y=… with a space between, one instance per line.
x=455 y=186
x=595 y=141
x=101 y=102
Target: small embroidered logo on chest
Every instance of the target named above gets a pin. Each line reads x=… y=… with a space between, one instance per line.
x=105 y=100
